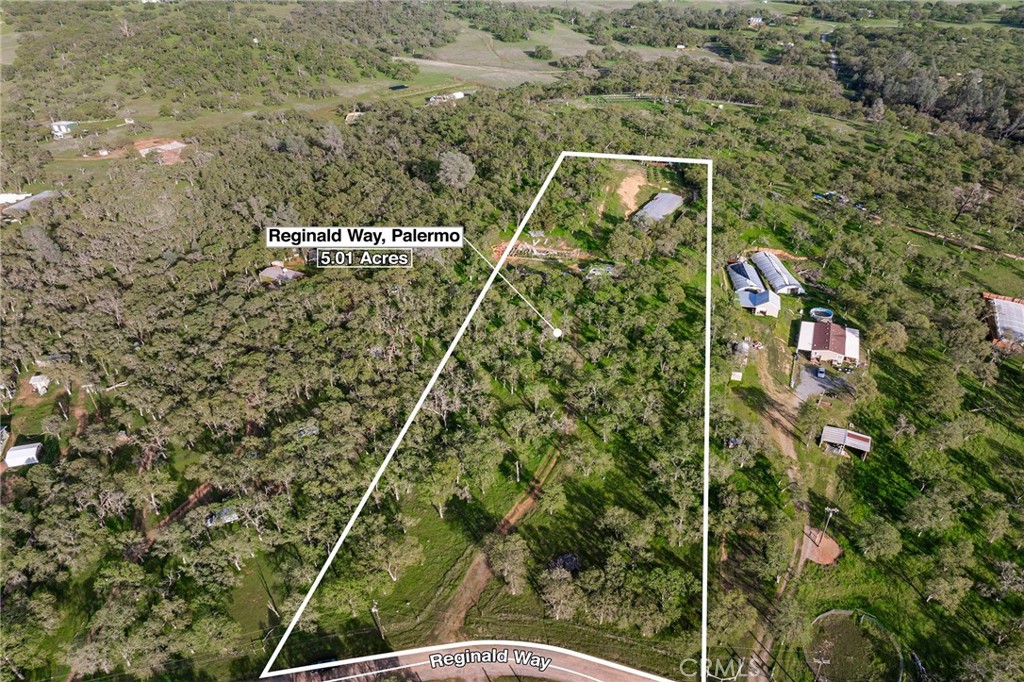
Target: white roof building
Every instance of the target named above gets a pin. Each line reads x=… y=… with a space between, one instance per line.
x=779 y=278
x=40 y=382
x=829 y=342
x=765 y=303
x=276 y=273
x=61 y=129
x=20 y=455
x=12 y=197
x=744 y=277
x=1006 y=319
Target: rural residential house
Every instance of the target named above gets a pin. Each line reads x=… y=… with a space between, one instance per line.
x=829 y=342
x=62 y=129
x=779 y=278
x=838 y=440
x=20 y=455
x=765 y=303
x=40 y=383
x=744 y=277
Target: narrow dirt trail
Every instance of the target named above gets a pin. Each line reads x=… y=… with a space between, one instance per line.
x=451 y=619
x=779 y=414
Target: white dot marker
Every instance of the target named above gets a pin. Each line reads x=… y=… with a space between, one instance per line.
x=557 y=333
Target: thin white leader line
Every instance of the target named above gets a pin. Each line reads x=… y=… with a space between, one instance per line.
x=503 y=279
x=707 y=436
x=412 y=416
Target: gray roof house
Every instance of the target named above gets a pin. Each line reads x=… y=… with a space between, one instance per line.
x=744 y=277
x=661 y=206
x=761 y=302
x=779 y=278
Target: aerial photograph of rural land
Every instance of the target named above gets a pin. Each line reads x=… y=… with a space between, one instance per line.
x=495 y=341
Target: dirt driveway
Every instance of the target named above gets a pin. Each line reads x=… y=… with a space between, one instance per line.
x=451 y=619
x=810 y=386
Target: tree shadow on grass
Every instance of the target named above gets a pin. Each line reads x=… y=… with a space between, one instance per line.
x=471 y=518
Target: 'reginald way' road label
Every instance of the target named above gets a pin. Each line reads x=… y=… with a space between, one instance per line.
x=524 y=657
x=365 y=237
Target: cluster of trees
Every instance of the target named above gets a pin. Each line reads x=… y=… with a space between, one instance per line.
x=856 y=10
x=212 y=57
x=968 y=77
x=507 y=22
x=655 y=24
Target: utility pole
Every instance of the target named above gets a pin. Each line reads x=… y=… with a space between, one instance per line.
x=832 y=511
x=376 y=619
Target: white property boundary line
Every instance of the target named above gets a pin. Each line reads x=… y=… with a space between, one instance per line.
x=440 y=368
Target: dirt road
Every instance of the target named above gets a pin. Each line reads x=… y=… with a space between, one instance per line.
x=518 y=659
x=477 y=67
x=451 y=619
x=779 y=415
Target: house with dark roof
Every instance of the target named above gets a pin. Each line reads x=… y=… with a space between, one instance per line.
x=829 y=342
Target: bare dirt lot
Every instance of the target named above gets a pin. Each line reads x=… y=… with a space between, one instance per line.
x=629 y=188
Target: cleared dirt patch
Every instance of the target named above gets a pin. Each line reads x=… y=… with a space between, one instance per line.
x=629 y=189
x=820 y=548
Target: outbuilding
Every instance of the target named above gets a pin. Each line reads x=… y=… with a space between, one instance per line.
x=766 y=303
x=660 y=207
x=744 y=277
x=1005 y=320
x=21 y=455
x=40 y=383
x=837 y=440
x=779 y=278
x=279 y=274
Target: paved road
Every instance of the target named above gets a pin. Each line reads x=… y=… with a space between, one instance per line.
x=520 y=659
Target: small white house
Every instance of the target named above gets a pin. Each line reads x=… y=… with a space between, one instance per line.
x=20 y=455
x=765 y=303
x=62 y=129
x=447 y=98
x=40 y=383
